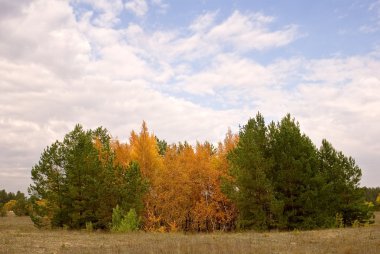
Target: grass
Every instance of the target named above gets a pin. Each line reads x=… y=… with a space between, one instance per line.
x=18 y=235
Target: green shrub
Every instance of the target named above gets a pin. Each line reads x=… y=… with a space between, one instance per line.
x=3 y=211
x=89 y=226
x=130 y=222
x=117 y=216
x=124 y=223
x=356 y=224
x=339 y=220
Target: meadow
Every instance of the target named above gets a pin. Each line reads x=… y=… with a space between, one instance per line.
x=18 y=235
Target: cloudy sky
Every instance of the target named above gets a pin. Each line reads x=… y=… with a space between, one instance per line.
x=190 y=68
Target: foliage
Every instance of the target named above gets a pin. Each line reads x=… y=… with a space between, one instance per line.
x=162 y=145
x=340 y=186
x=269 y=176
x=10 y=205
x=252 y=190
x=372 y=194
x=280 y=179
x=89 y=226
x=339 y=220
x=124 y=222
x=17 y=203
x=3 y=211
x=80 y=181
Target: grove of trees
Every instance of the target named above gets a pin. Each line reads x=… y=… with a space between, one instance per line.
x=10 y=201
x=265 y=177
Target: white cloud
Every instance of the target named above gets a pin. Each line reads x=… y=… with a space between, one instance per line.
x=203 y=22
x=138 y=7
x=108 y=11
x=250 y=32
x=205 y=37
x=45 y=38
x=58 y=69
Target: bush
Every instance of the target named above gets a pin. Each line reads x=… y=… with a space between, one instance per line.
x=356 y=224
x=39 y=214
x=117 y=216
x=130 y=222
x=339 y=220
x=21 y=208
x=124 y=223
x=89 y=226
x=3 y=211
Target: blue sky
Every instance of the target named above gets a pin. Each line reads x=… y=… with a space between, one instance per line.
x=327 y=27
x=190 y=69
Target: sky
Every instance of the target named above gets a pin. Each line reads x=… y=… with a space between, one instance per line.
x=191 y=69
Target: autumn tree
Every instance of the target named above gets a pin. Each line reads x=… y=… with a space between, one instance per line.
x=188 y=190
x=213 y=211
x=144 y=150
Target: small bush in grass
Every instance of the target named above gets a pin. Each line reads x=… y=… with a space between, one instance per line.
x=124 y=223
x=3 y=211
x=356 y=224
x=130 y=222
x=339 y=220
x=89 y=226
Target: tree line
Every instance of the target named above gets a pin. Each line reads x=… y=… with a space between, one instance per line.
x=265 y=177
x=16 y=203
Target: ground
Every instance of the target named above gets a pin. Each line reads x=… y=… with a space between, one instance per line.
x=18 y=235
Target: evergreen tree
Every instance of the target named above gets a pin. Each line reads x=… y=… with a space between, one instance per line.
x=133 y=190
x=293 y=173
x=252 y=190
x=340 y=191
x=77 y=182
x=162 y=145
x=48 y=177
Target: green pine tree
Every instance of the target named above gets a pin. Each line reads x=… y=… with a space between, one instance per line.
x=252 y=190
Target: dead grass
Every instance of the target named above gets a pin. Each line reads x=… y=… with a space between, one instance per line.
x=18 y=235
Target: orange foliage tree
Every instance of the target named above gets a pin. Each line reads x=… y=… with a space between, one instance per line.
x=184 y=183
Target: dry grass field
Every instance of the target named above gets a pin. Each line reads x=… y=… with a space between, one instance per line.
x=18 y=235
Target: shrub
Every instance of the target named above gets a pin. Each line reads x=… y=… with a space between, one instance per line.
x=89 y=226
x=3 y=211
x=356 y=224
x=124 y=223
x=339 y=220
x=130 y=222
x=117 y=216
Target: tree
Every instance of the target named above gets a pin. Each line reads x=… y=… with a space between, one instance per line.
x=340 y=190
x=144 y=151
x=292 y=173
x=17 y=203
x=372 y=194
x=251 y=188
x=133 y=189
x=77 y=181
x=162 y=145
x=49 y=184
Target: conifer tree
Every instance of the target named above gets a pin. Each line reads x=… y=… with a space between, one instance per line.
x=251 y=189
x=292 y=174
